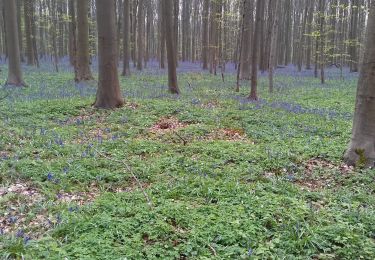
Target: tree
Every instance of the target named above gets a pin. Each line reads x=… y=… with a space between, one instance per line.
x=322 y=39
x=141 y=25
x=28 y=20
x=72 y=33
x=246 y=39
x=170 y=42
x=206 y=7
x=361 y=151
x=82 y=70
x=126 y=40
x=108 y=95
x=254 y=62
x=275 y=6
x=14 y=72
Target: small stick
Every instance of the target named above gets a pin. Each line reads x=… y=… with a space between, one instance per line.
x=212 y=250
x=182 y=139
x=131 y=172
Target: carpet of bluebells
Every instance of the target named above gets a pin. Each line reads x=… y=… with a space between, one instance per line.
x=226 y=178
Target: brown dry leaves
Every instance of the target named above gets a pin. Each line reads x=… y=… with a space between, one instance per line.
x=234 y=135
x=167 y=125
x=325 y=178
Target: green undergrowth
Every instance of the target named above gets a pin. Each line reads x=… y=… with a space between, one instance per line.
x=232 y=180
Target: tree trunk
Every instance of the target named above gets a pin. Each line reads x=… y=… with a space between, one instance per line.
x=141 y=22
x=176 y=10
x=72 y=33
x=274 y=25
x=170 y=42
x=20 y=41
x=254 y=62
x=14 y=72
x=361 y=151
x=205 y=48
x=28 y=14
x=246 y=40
x=309 y=36
x=126 y=39
x=108 y=95
x=162 y=32
x=322 y=39
x=82 y=71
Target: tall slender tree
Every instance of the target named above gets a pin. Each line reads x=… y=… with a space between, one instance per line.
x=82 y=70
x=14 y=73
x=362 y=146
x=206 y=7
x=170 y=42
x=141 y=25
x=254 y=62
x=126 y=39
x=108 y=95
x=72 y=33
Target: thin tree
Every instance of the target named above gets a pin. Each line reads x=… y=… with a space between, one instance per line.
x=254 y=62
x=141 y=25
x=322 y=39
x=28 y=10
x=126 y=39
x=14 y=61
x=361 y=149
x=72 y=33
x=82 y=70
x=108 y=95
x=206 y=9
x=274 y=20
x=170 y=42
x=246 y=39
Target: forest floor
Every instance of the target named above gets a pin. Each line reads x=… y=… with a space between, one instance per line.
x=226 y=178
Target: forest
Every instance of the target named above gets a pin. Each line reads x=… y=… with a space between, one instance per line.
x=187 y=129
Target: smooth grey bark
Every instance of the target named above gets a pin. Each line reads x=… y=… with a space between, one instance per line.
x=361 y=151
x=274 y=20
x=82 y=70
x=14 y=61
x=246 y=40
x=254 y=60
x=205 y=47
x=108 y=95
x=141 y=25
x=170 y=42
x=126 y=39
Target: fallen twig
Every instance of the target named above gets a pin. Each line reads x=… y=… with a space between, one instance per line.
x=128 y=167
x=213 y=251
x=182 y=139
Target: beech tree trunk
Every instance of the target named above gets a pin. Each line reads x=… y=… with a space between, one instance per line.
x=170 y=42
x=82 y=70
x=108 y=95
x=28 y=19
x=254 y=62
x=246 y=40
x=205 y=47
x=72 y=33
x=14 y=61
x=309 y=37
x=126 y=39
x=162 y=32
x=141 y=22
x=275 y=6
x=361 y=151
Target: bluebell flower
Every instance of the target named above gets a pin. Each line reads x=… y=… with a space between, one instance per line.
x=20 y=233
x=50 y=176
x=26 y=240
